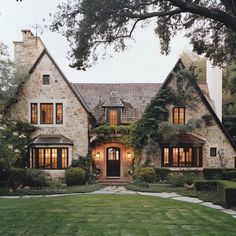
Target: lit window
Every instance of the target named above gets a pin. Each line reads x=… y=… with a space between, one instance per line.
x=50 y=158
x=59 y=113
x=179 y=115
x=46 y=113
x=213 y=151
x=113 y=117
x=113 y=154
x=34 y=113
x=46 y=79
x=182 y=157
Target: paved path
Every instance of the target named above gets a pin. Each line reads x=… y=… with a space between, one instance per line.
x=123 y=190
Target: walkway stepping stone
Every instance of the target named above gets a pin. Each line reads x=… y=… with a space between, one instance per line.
x=163 y=195
x=188 y=199
x=229 y=211
x=211 y=205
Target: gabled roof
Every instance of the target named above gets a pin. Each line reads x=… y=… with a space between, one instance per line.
x=193 y=82
x=73 y=89
x=113 y=101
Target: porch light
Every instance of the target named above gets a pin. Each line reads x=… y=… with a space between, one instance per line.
x=98 y=155
x=129 y=155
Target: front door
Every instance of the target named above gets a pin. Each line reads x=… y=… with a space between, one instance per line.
x=113 y=161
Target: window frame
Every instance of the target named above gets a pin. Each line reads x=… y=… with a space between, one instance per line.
x=35 y=161
x=178 y=112
x=31 y=113
x=213 y=151
x=196 y=157
x=56 y=106
x=41 y=117
x=48 y=77
x=118 y=111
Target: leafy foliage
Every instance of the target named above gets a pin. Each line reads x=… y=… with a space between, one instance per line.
x=75 y=176
x=89 y=24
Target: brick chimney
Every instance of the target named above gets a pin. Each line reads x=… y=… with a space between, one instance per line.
x=214 y=81
x=27 y=51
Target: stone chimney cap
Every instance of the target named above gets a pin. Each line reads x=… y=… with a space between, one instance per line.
x=28 y=31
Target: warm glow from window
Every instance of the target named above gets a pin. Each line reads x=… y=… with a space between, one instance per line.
x=166 y=156
x=64 y=159
x=41 y=158
x=179 y=115
x=46 y=113
x=59 y=113
x=54 y=158
x=113 y=154
x=34 y=113
x=47 y=163
x=113 y=118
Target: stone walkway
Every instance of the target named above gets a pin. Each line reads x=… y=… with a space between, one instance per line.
x=123 y=190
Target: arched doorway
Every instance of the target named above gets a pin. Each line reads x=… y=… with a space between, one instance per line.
x=113 y=161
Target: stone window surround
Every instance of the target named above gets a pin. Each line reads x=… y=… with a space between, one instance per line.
x=54 y=101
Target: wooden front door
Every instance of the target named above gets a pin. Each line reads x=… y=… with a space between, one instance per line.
x=113 y=161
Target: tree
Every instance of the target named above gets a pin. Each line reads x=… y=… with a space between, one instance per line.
x=10 y=79
x=87 y=24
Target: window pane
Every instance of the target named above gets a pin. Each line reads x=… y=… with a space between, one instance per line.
x=59 y=113
x=188 y=156
x=181 y=157
x=176 y=116
x=113 y=117
x=175 y=157
x=54 y=158
x=181 y=116
x=41 y=158
x=34 y=113
x=64 y=158
x=46 y=113
x=166 y=156
x=46 y=79
x=47 y=158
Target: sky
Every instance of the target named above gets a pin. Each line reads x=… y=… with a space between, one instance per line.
x=141 y=63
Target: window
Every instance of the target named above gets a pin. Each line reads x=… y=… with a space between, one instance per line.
x=213 y=151
x=59 y=113
x=46 y=113
x=50 y=158
x=46 y=79
x=34 y=113
x=179 y=115
x=113 y=117
x=182 y=157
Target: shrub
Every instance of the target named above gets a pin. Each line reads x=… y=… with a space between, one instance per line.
x=75 y=176
x=229 y=174
x=19 y=177
x=203 y=185
x=146 y=174
x=176 y=179
x=161 y=174
x=213 y=173
x=230 y=197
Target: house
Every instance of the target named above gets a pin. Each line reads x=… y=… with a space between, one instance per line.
x=64 y=112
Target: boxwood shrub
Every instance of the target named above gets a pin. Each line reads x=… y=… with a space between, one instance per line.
x=229 y=174
x=145 y=174
x=75 y=176
x=204 y=185
x=230 y=196
x=161 y=174
x=213 y=173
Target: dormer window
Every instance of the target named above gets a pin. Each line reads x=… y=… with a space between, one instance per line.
x=179 y=115
x=46 y=79
x=113 y=116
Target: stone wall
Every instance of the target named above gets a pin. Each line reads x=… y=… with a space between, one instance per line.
x=75 y=119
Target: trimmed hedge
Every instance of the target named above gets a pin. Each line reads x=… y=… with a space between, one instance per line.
x=75 y=176
x=213 y=173
x=229 y=174
x=204 y=185
x=230 y=197
x=161 y=174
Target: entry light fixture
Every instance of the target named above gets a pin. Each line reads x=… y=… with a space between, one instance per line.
x=98 y=155
x=129 y=155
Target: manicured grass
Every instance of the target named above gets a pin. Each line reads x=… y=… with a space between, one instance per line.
x=104 y=215
x=48 y=191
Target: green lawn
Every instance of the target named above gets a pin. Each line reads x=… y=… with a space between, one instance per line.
x=110 y=215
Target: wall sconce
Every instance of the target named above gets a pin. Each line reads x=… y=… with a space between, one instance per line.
x=129 y=155
x=98 y=155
